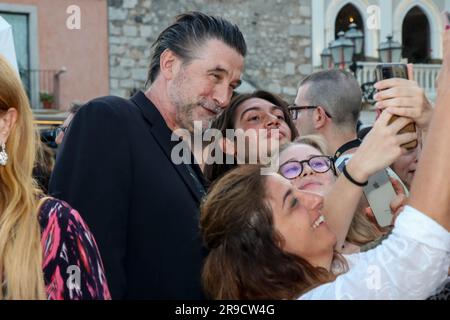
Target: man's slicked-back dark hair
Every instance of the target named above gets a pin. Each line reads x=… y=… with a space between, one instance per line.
x=189 y=31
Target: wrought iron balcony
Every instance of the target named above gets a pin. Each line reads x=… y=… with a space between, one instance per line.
x=43 y=87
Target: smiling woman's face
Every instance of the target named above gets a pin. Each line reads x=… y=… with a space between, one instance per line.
x=308 y=180
x=298 y=218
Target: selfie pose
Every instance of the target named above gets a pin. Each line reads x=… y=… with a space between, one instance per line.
x=269 y=240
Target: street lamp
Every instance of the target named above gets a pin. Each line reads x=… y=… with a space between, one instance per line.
x=390 y=51
x=356 y=36
x=342 y=50
x=327 y=59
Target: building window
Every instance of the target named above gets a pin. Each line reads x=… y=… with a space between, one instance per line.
x=20 y=28
x=416 y=36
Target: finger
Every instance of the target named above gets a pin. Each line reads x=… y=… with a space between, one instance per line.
x=369 y=214
x=383 y=119
x=394 y=217
x=405 y=90
x=399 y=209
x=399 y=123
x=389 y=83
x=397 y=202
x=405 y=112
x=398 y=102
x=410 y=68
x=396 y=184
x=407 y=137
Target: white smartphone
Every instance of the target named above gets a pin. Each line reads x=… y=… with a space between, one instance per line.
x=379 y=192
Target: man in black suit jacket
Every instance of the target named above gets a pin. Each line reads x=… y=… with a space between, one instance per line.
x=115 y=163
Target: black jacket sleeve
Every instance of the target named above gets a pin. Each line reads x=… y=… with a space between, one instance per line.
x=93 y=174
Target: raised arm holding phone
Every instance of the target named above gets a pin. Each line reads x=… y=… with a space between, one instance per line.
x=247 y=217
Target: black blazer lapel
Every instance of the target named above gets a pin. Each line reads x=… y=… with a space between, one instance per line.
x=162 y=135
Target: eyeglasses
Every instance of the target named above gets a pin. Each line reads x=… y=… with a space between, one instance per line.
x=295 y=110
x=59 y=130
x=320 y=164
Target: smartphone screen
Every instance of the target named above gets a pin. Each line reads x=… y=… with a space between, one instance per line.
x=379 y=192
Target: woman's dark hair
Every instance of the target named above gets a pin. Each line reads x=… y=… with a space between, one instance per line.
x=188 y=32
x=246 y=260
x=227 y=120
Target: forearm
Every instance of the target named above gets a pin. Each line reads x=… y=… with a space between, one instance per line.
x=430 y=191
x=341 y=202
x=410 y=264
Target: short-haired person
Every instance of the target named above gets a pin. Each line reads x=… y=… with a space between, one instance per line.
x=46 y=249
x=329 y=103
x=116 y=166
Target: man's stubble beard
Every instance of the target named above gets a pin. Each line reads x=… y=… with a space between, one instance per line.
x=183 y=109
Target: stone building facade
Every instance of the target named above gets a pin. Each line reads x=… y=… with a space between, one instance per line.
x=285 y=37
x=278 y=35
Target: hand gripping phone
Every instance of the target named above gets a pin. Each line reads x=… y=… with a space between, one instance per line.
x=379 y=193
x=396 y=70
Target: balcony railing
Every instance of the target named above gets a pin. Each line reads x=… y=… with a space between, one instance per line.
x=424 y=74
x=43 y=87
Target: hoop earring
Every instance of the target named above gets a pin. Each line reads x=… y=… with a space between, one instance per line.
x=3 y=155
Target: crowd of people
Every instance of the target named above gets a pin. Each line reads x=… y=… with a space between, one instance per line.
x=122 y=220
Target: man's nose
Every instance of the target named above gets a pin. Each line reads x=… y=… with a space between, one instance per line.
x=222 y=96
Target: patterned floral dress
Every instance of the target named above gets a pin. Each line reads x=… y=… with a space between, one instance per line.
x=73 y=269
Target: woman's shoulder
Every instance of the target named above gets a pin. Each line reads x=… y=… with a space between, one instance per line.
x=69 y=248
x=53 y=210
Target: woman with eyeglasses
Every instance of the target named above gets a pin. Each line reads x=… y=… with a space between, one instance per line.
x=307 y=166
x=257 y=116
x=46 y=249
x=269 y=240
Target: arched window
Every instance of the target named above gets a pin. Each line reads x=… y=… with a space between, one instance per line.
x=416 y=36
x=347 y=15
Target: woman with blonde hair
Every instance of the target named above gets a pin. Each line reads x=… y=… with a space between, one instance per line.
x=46 y=250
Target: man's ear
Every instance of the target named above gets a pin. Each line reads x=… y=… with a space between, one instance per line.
x=169 y=64
x=7 y=122
x=320 y=118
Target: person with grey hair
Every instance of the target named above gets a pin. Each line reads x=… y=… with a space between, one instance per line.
x=116 y=166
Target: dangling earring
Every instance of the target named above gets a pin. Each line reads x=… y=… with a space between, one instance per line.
x=3 y=155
